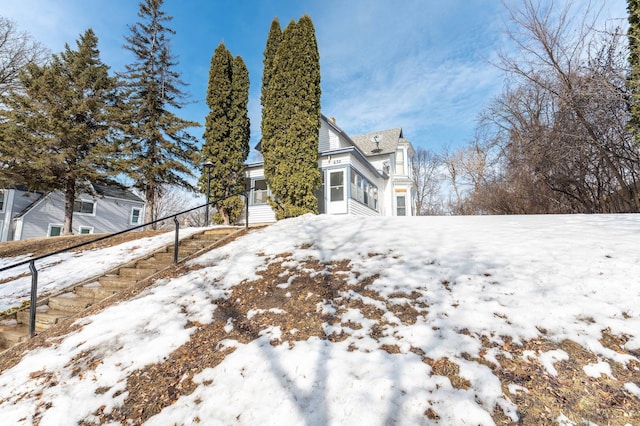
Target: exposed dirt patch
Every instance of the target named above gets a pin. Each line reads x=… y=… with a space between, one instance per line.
x=304 y=299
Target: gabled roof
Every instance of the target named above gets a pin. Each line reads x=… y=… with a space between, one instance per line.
x=387 y=141
x=115 y=191
x=30 y=206
x=112 y=190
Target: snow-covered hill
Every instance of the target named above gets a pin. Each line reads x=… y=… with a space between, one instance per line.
x=349 y=320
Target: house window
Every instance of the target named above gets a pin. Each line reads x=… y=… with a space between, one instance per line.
x=84 y=207
x=54 y=230
x=86 y=230
x=400 y=162
x=401 y=207
x=1 y=200
x=259 y=192
x=136 y=216
x=363 y=191
x=336 y=186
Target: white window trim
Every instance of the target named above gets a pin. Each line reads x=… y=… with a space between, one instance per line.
x=90 y=228
x=54 y=225
x=362 y=186
x=401 y=155
x=4 y=200
x=404 y=196
x=252 y=199
x=140 y=216
x=83 y=200
x=337 y=187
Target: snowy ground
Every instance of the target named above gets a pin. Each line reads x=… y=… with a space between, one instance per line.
x=479 y=287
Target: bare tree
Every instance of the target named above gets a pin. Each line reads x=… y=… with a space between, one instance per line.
x=427 y=176
x=17 y=49
x=452 y=160
x=173 y=200
x=562 y=122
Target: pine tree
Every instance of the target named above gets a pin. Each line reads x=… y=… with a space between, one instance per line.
x=226 y=131
x=160 y=150
x=293 y=120
x=56 y=133
x=633 y=8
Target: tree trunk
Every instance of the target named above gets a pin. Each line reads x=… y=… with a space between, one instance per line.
x=224 y=213
x=69 y=200
x=149 y=212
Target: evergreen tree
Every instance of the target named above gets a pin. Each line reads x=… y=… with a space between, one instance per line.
x=293 y=120
x=633 y=8
x=56 y=127
x=267 y=124
x=226 y=131
x=159 y=148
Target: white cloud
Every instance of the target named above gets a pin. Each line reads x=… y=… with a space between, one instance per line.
x=422 y=66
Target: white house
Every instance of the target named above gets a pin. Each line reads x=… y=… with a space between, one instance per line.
x=367 y=175
x=28 y=214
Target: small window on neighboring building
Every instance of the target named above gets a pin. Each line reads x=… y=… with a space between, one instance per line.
x=136 y=216
x=1 y=200
x=401 y=208
x=336 y=186
x=54 y=230
x=86 y=230
x=84 y=207
x=259 y=192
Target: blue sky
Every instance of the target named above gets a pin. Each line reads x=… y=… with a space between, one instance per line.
x=423 y=65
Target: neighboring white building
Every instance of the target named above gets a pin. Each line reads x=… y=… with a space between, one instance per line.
x=28 y=214
x=366 y=175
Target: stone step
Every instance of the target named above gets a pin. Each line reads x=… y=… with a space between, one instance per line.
x=69 y=302
x=219 y=231
x=44 y=319
x=11 y=335
x=208 y=237
x=165 y=257
x=189 y=250
x=198 y=244
x=116 y=281
x=138 y=273
x=155 y=263
x=96 y=292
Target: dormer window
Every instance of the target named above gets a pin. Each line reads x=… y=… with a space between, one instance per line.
x=84 y=207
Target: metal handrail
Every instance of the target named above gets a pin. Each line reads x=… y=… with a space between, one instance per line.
x=34 y=271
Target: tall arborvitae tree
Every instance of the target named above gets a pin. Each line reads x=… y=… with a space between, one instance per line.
x=56 y=127
x=293 y=121
x=226 y=132
x=633 y=8
x=268 y=124
x=160 y=150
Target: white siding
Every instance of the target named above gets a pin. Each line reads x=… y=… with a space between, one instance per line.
x=255 y=172
x=261 y=214
x=359 y=209
x=111 y=215
x=35 y=222
x=5 y=214
x=323 y=137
